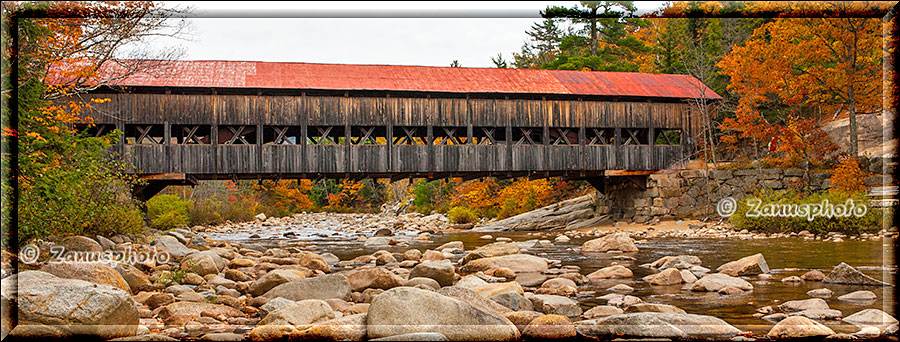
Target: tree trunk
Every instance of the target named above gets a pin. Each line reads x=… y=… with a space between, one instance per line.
x=854 y=138
x=594 y=32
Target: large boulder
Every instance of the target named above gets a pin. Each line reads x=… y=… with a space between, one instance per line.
x=519 y=263
x=669 y=276
x=657 y=325
x=613 y=242
x=299 y=313
x=441 y=271
x=806 y=304
x=93 y=272
x=491 y=250
x=717 y=281
x=133 y=276
x=513 y=301
x=859 y=296
x=373 y=278
x=53 y=307
x=558 y=305
x=80 y=243
x=845 y=274
x=171 y=245
x=347 y=328
x=322 y=287
x=493 y=289
x=194 y=310
x=750 y=265
x=203 y=263
x=798 y=327
x=403 y=310
x=549 y=327
x=871 y=317
x=611 y=272
x=474 y=299
x=274 y=278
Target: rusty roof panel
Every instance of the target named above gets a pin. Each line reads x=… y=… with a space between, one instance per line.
x=241 y=74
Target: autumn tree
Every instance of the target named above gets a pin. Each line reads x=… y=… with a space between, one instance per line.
x=803 y=66
x=67 y=181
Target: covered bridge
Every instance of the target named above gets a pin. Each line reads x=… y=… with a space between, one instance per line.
x=194 y=120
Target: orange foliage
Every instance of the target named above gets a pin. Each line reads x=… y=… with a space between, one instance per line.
x=480 y=195
x=849 y=176
x=289 y=194
x=524 y=195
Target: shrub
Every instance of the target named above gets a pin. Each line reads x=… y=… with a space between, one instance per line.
x=167 y=211
x=851 y=224
x=206 y=212
x=461 y=215
x=125 y=218
x=849 y=176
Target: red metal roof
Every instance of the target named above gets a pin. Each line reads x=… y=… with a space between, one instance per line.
x=273 y=75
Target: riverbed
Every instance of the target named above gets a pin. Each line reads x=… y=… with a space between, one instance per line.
x=785 y=257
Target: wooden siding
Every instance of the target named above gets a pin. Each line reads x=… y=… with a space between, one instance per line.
x=303 y=112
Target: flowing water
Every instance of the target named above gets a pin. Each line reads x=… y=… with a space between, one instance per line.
x=785 y=257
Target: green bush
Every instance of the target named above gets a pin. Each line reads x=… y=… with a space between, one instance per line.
x=207 y=212
x=462 y=215
x=125 y=218
x=766 y=222
x=167 y=211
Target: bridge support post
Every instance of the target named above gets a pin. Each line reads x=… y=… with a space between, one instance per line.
x=156 y=183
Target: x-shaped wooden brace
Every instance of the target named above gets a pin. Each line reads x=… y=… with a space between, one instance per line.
x=238 y=134
x=599 y=137
x=666 y=137
x=632 y=137
x=408 y=138
x=451 y=137
x=488 y=136
x=324 y=135
x=526 y=137
x=190 y=135
x=367 y=136
x=100 y=130
x=144 y=133
x=562 y=139
x=281 y=135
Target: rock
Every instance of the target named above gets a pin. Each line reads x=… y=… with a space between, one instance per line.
x=624 y=301
x=272 y=332
x=814 y=275
x=601 y=311
x=274 y=278
x=792 y=279
x=871 y=317
x=520 y=263
x=260 y=217
x=819 y=314
x=621 y=288
x=611 y=272
x=503 y=272
x=347 y=328
x=159 y=299
x=651 y=307
x=191 y=310
x=775 y=317
x=669 y=276
x=322 y=287
x=299 y=313
x=380 y=241
x=613 y=242
x=730 y=291
x=383 y=232
x=680 y=261
x=522 y=318
x=470 y=282
x=53 y=307
x=820 y=293
x=493 y=289
x=806 y=304
x=172 y=246
x=274 y=304
x=750 y=265
x=657 y=325
x=858 y=296
x=474 y=299
x=491 y=250
x=419 y=336
x=558 y=283
x=80 y=243
x=236 y=275
x=132 y=276
x=798 y=327
x=385 y=259
x=96 y=273
x=404 y=310
x=412 y=254
x=549 y=327
x=716 y=281
x=203 y=263
x=845 y=274
x=441 y=271
x=531 y=279
x=375 y=278
x=513 y=301
x=559 y=305
x=230 y=337
x=412 y=282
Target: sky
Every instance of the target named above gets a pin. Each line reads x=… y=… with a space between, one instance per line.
x=347 y=32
